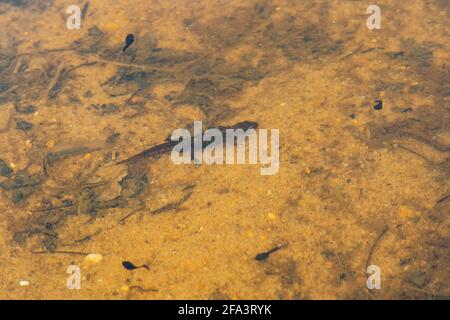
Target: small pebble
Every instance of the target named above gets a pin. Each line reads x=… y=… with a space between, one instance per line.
x=92 y=259
x=271 y=216
x=24 y=283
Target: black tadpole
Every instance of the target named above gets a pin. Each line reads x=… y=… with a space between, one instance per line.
x=264 y=255
x=130 y=266
x=378 y=105
x=128 y=41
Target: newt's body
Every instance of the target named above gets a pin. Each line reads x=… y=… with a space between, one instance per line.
x=167 y=146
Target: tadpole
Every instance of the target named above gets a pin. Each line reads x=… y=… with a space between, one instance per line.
x=128 y=41
x=264 y=255
x=130 y=266
x=378 y=105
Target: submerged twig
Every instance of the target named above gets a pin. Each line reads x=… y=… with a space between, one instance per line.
x=84 y=64
x=61 y=252
x=85 y=238
x=53 y=208
x=141 y=289
x=443 y=198
x=53 y=84
x=372 y=248
x=44 y=52
x=124 y=64
x=414 y=152
x=18 y=65
x=131 y=213
x=173 y=205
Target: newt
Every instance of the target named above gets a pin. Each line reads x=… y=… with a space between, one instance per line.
x=167 y=146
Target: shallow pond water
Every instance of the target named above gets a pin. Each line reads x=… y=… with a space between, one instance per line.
x=359 y=183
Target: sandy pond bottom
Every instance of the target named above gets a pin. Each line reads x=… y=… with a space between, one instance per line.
x=356 y=186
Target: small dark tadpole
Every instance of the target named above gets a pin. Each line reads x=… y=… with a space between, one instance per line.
x=130 y=266
x=264 y=255
x=378 y=105
x=128 y=41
